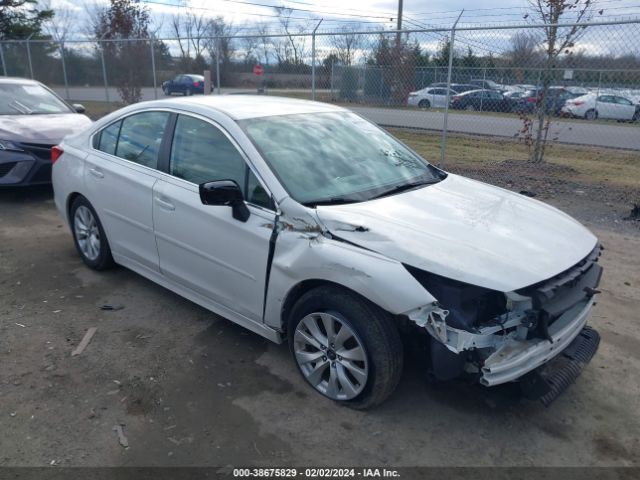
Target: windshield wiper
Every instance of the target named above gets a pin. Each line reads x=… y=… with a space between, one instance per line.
x=406 y=186
x=331 y=201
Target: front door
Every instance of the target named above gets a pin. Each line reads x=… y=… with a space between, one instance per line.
x=201 y=246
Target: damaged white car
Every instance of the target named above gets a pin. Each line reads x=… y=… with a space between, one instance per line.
x=307 y=224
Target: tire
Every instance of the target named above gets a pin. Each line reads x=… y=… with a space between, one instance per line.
x=636 y=116
x=94 y=248
x=470 y=108
x=591 y=114
x=424 y=104
x=371 y=340
x=166 y=91
x=188 y=92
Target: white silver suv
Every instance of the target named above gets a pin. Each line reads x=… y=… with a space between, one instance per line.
x=307 y=224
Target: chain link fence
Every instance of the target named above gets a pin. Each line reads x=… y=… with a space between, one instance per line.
x=495 y=103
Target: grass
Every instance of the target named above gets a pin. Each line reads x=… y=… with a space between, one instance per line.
x=586 y=164
x=98 y=109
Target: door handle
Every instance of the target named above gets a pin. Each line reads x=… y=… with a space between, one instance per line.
x=96 y=173
x=164 y=204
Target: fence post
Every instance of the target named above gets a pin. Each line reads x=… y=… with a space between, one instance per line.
x=104 y=68
x=313 y=61
x=598 y=91
x=153 y=68
x=29 y=55
x=331 y=82
x=4 y=65
x=64 y=71
x=218 y=65
x=443 y=146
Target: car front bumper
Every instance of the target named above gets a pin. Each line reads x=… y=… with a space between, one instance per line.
x=515 y=358
x=32 y=166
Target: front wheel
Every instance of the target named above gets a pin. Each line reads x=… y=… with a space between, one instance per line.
x=88 y=235
x=346 y=348
x=591 y=114
x=424 y=104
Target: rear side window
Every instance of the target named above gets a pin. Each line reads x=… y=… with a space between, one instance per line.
x=109 y=138
x=201 y=153
x=140 y=137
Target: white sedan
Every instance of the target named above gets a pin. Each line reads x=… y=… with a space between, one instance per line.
x=307 y=224
x=435 y=97
x=606 y=106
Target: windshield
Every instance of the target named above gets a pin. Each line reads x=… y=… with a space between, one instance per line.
x=27 y=99
x=336 y=157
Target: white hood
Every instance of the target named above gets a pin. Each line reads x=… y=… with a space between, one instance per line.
x=468 y=231
x=46 y=129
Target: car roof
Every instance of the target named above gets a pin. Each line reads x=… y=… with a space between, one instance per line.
x=18 y=81
x=240 y=107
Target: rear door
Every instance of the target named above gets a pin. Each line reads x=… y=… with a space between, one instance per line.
x=606 y=106
x=119 y=174
x=201 y=246
x=625 y=110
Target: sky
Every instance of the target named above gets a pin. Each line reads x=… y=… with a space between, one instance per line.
x=248 y=15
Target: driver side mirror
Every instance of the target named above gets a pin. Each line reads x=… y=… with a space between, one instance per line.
x=225 y=192
x=79 y=108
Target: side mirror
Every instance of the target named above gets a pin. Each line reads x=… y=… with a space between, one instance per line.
x=225 y=192
x=79 y=108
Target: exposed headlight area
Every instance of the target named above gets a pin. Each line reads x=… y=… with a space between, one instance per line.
x=501 y=337
x=24 y=163
x=9 y=146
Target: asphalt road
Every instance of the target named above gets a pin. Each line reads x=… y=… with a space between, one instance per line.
x=190 y=388
x=579 y=132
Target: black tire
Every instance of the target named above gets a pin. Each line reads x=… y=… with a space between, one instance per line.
x=424 y=104
x=104 y=259
x=591 y=114
x=375 y=329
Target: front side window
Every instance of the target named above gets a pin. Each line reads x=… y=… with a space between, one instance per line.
x=200 y=153
x=335 y=157
x=140 y=137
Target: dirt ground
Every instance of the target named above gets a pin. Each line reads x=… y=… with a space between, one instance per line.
x=190 y=388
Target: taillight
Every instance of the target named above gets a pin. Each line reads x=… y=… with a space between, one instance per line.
x=196 y=84
x=532 y=100
x=578 y=103
x=55 y=153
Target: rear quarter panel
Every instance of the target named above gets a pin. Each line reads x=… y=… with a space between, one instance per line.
x=67 y=177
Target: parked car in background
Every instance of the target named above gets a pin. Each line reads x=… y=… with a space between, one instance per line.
x=485 y=84
x=552 y=102
x=430 y=98
x=606 y=106
x=186 y=84
x=481 y=100
x=221 y=199
x=457 y=87
x=32 y=120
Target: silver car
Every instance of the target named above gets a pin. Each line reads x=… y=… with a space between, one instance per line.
x=307 y=224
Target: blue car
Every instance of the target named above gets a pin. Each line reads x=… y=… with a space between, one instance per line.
x=186 y=84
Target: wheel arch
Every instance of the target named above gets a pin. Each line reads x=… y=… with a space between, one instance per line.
x=70 y=199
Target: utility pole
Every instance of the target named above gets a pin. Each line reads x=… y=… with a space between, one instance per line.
x=399 y=24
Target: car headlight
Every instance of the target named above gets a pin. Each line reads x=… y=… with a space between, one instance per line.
x=10 y=146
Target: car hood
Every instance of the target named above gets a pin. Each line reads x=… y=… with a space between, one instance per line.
x=466 y=230
x=46 y=129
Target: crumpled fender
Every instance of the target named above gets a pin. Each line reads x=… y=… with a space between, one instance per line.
x=305 y=250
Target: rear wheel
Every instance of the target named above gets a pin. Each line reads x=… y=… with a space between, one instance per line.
x=470 y=108
x=346 y=348
x=88 y=235
x=591 y=114
x=424 y=104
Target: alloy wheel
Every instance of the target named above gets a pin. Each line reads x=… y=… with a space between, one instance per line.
x=87 y=233
x=331 y=356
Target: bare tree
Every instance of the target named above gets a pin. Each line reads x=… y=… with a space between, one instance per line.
x=181 y=32
x=557 y=41
x=293 y=49
x=525 y=50
x=347 y=44
x=59 y=25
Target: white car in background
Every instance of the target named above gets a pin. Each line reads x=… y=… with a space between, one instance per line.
x=430 y=97
x=607 y=106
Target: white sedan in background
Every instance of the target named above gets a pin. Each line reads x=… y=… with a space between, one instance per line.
x=607 y=106
x=430 y=97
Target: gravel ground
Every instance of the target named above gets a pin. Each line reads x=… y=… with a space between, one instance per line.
x=189 y=388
